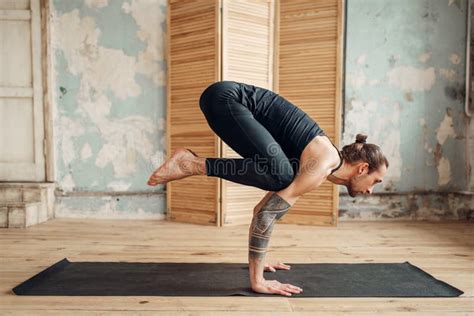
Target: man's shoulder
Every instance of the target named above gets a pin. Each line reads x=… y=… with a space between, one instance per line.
x=323 y=151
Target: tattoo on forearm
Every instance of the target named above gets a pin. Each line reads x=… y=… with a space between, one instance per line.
x=262 y=225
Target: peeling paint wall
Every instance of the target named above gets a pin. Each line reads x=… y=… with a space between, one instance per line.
x=405 y=89
x=109 y=104
x=410 y=206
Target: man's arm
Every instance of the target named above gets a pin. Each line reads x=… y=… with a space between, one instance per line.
x=314 y=170
x=272 y=207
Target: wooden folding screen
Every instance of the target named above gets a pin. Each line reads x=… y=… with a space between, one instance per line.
x=212 y=40
x=208 y=41
x=247 y=36
x=309 y=63
x=193 y=63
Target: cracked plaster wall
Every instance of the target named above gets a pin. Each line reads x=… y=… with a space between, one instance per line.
x=109 y=106
x=404 y=88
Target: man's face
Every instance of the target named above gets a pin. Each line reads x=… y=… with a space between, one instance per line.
x=362 y=182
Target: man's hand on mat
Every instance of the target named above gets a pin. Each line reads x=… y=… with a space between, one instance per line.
x=275 y=287
x=273 y=267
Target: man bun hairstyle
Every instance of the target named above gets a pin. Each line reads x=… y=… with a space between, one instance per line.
x=360 y=150
x=360 y=138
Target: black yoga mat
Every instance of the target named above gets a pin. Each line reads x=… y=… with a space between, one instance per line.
x=225 y=279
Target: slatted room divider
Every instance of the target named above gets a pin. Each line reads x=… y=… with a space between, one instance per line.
x=193 y=63
x=247 y=55
x=291 y=47
x=309 y=48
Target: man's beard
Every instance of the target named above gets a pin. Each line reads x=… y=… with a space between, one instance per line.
x=349 y=189
x=351 y=193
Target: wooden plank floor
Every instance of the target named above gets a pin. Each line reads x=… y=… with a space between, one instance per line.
x=443 y=249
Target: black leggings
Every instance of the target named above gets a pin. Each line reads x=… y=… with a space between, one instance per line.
x=264 y=164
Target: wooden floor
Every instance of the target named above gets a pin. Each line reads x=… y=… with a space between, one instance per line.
x=444 y=250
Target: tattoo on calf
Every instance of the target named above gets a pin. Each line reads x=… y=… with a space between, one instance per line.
x=262 y=224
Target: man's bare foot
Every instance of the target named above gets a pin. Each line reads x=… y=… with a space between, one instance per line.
x=183 y=163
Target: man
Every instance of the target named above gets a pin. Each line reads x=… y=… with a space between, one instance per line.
x=284 y=151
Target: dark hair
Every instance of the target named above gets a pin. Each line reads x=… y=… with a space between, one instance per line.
x=360 y=150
